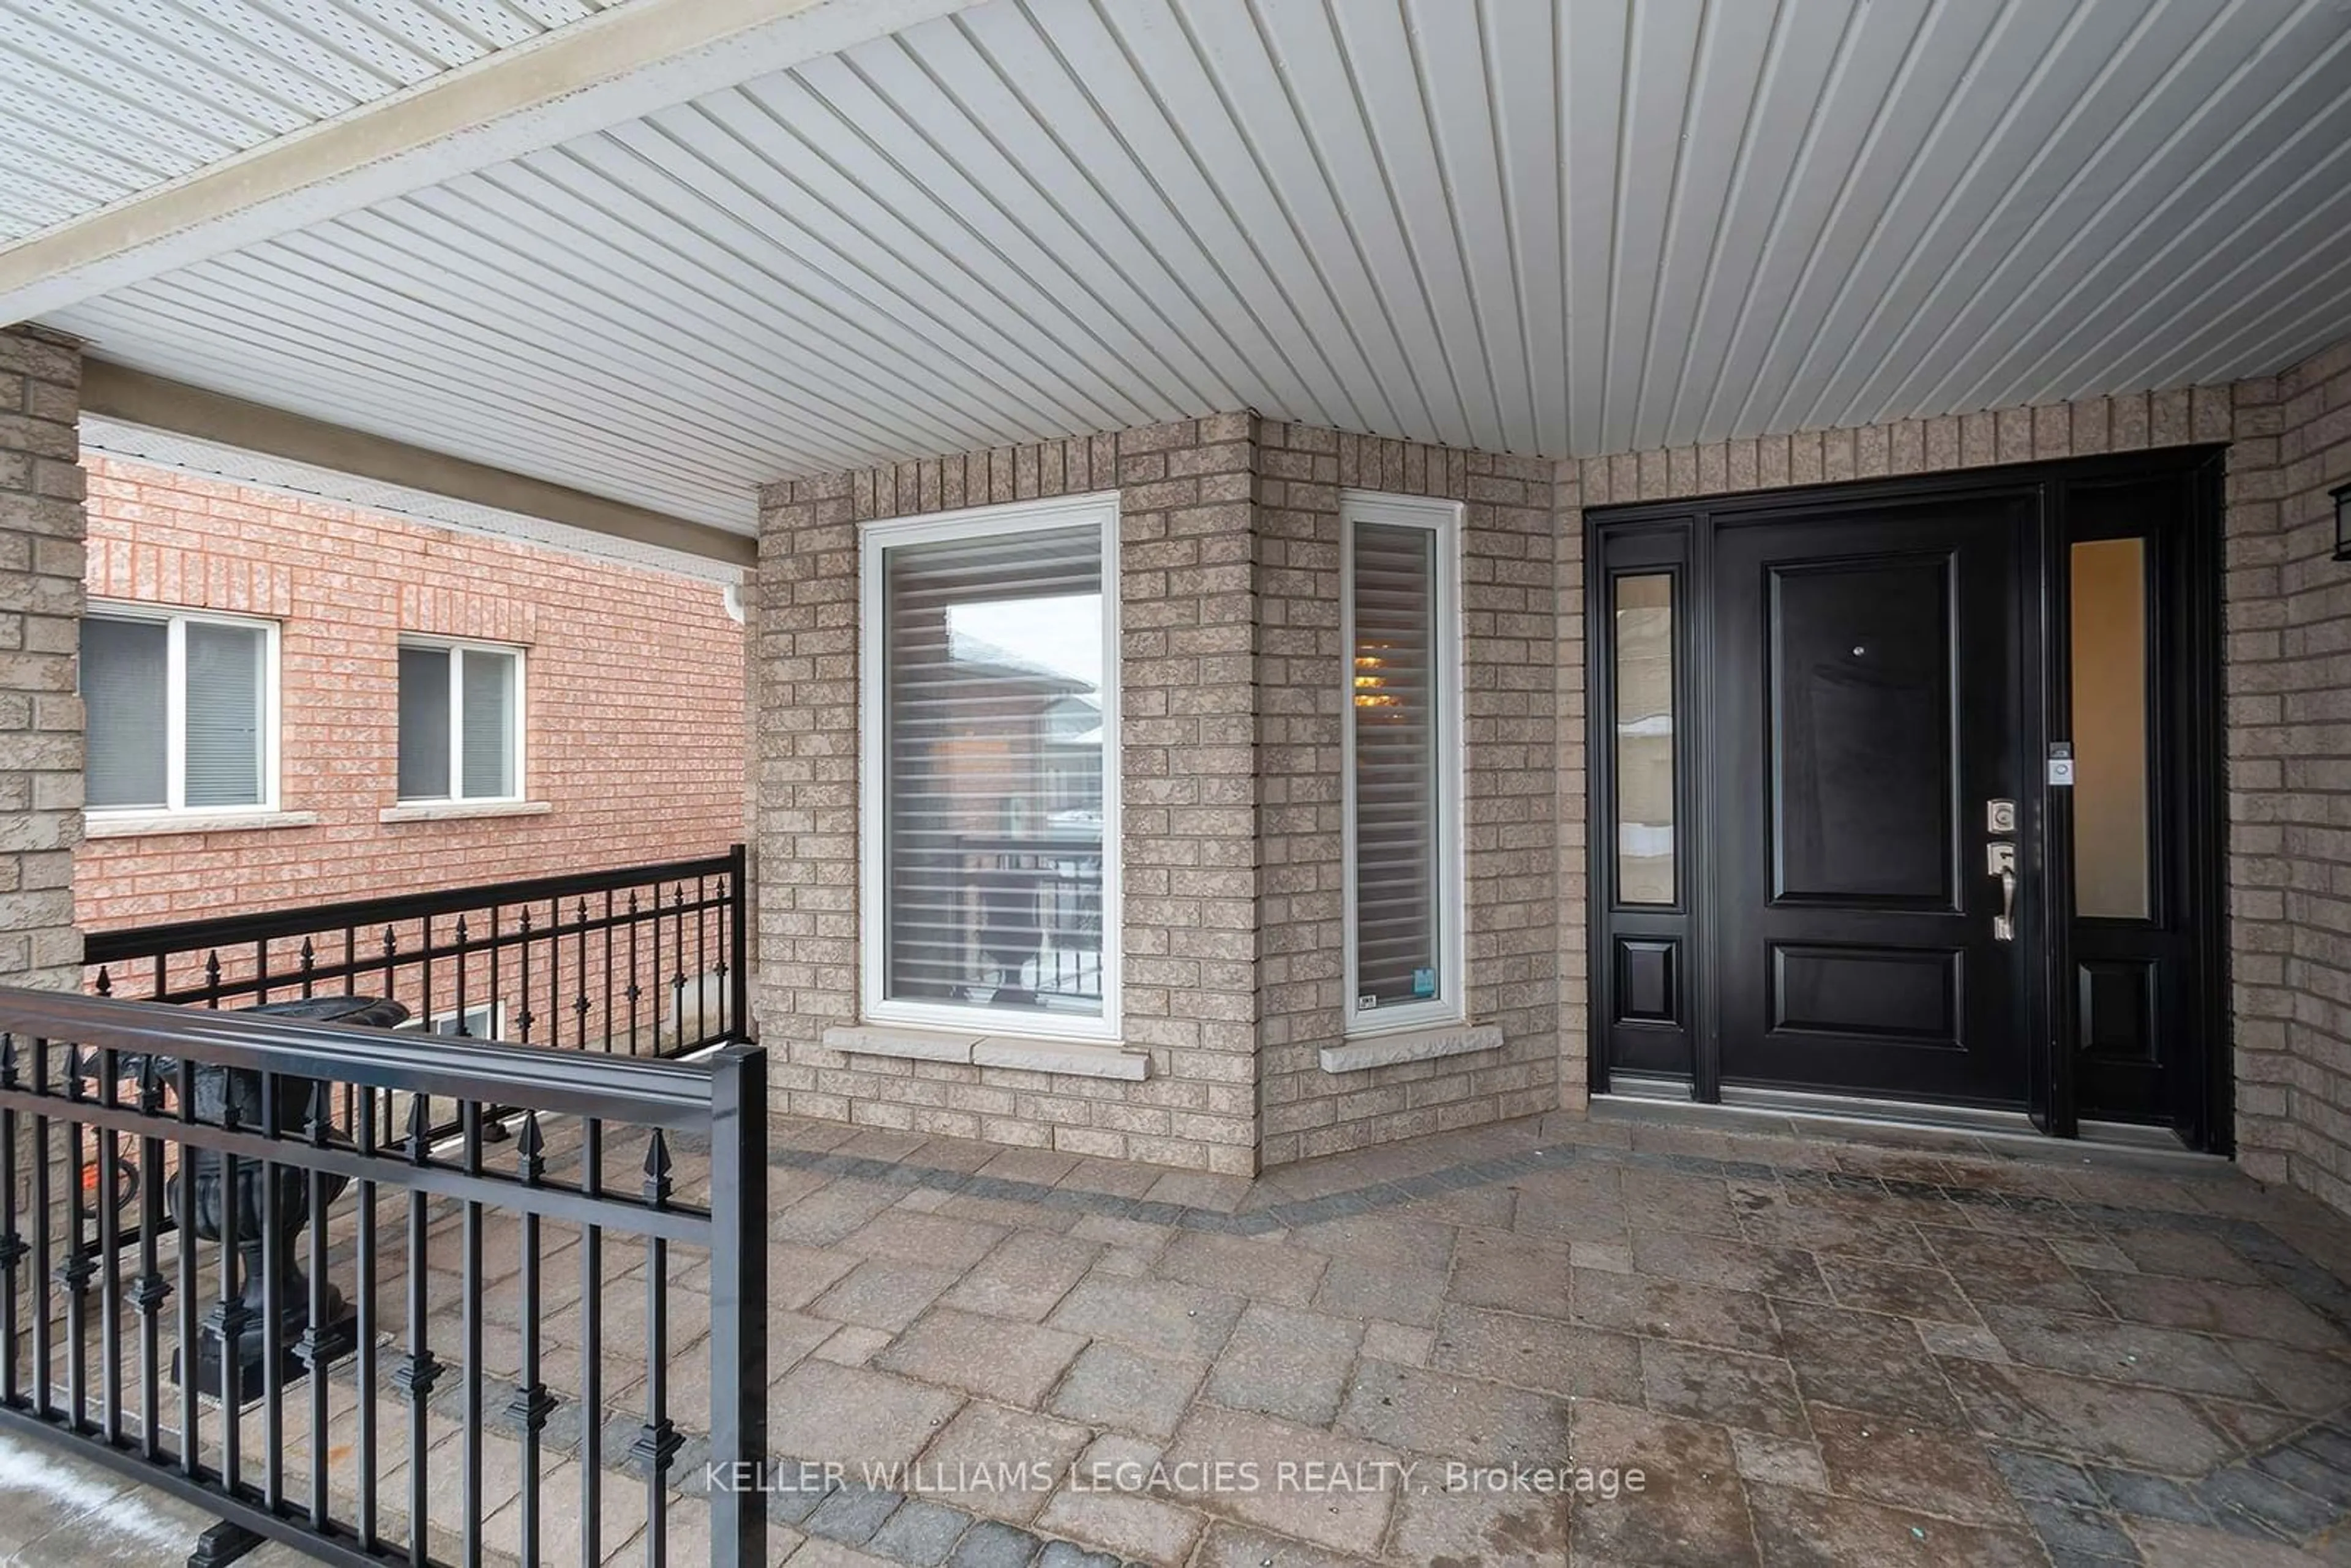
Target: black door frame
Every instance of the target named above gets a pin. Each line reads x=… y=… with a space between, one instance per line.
x=1679 y=1020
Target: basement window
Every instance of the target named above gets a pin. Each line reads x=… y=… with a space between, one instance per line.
x=485 y=1021
x=1401 y=765
x=460 y=721
x=991 y=803
x=181 y=711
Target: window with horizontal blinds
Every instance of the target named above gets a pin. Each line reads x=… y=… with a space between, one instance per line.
x=425 y=724
x=460 y=723
x=124 y=667
x=222 y=749
x=995 y=775
x=487 y=722
x=177 y=710
x=1401 y=785
x=1394 y=691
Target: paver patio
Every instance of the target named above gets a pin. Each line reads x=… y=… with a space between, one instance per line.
x=1927 y=1349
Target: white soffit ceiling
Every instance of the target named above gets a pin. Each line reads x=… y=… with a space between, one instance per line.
x=1564 y=228
x=101 y=100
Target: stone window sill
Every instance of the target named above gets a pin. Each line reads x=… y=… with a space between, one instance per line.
x=1412 y=1045
x=141 y=824
x=1029 y=1053
x=461 y=811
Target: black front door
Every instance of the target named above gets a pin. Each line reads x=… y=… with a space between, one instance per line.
x=1826 y=726
x=1869 y=700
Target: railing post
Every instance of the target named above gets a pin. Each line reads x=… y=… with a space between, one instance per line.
x=738 y=952
x=738 y=1307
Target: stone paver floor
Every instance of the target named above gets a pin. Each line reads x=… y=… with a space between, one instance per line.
x=1717 y=1348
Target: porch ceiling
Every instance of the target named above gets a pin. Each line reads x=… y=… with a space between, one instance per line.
x=1522 y=226
x=102 y=99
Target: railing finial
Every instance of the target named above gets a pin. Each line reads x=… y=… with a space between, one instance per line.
x=420 y=1129
x=530 y=1147
x=657 y=1169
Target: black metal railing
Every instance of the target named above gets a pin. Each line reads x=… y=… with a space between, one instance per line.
x=648 y=960
x=371 y=1344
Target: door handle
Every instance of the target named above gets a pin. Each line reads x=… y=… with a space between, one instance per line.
x=1999 y=861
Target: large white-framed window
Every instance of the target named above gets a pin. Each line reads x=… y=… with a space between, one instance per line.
x=181 y=710
x=461 y=720
x=988 y=769
x=1401 y=624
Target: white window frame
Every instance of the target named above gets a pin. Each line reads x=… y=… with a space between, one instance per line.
x=175 y=706
x=456 y=646
x=1442 y=520
x=432 y=1026
x=1100 y=509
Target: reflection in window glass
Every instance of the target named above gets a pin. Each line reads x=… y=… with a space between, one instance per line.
x=994 y=797
x=2110 y=703
x=1645 y=738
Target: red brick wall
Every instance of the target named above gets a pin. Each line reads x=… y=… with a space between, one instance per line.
x=633 y=703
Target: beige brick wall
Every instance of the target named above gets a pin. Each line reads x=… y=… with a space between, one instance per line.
x=41 y=556
x=1510 y=593
x=2290 y=776
x=803 y=648
x=1188 y=612
x=1232 y=680
x=1911 y=447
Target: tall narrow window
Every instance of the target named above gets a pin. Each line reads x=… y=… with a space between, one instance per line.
x=1643 y=611
x=2110 y=704
x=991 y=775
x=1404 y=900
x=460 y=722
x=181 y=711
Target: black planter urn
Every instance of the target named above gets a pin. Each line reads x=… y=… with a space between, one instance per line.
x=239 y=1208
